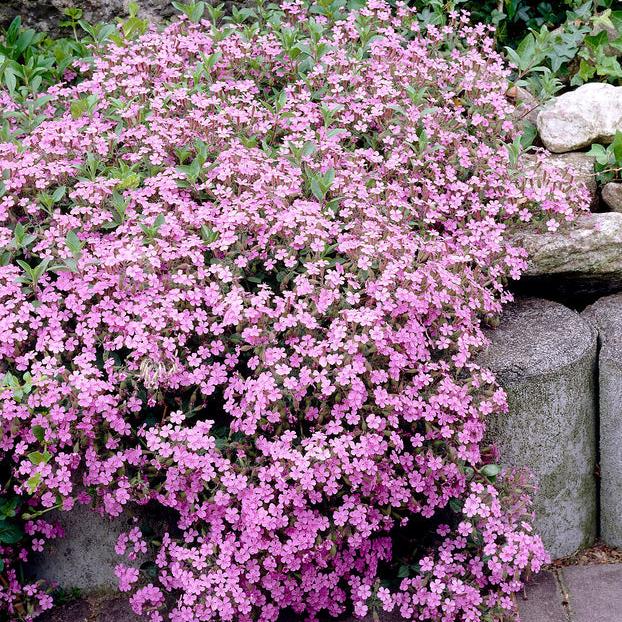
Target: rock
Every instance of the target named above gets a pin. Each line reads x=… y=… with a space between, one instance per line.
x=544 y=356
x=581 y=166
x=590 y=113
x=578 y=261
x=606 y=315
x=85 y=558
x=577 y=167
x=612 y=195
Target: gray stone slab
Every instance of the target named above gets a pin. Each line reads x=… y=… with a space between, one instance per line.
x=606 y=315
x=595 y=592
x=542 y=601
x=580 y=260
x=544 y=356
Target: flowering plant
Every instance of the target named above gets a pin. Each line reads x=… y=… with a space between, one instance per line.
x=245 y=267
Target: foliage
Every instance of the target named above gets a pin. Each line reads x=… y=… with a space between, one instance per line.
x=585 y=47
x=552 y=45
x=608 y=160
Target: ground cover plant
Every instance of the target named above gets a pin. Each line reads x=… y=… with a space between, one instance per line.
x=244 y=269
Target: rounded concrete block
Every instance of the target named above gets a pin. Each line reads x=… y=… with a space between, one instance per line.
x=544 y=355
x=606 y=315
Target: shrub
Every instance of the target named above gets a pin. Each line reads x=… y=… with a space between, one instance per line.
x=244 y=271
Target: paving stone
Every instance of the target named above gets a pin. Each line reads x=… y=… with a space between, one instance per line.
x=544 y=356
x=595 y=592
x=543 y=601
x=78 y=611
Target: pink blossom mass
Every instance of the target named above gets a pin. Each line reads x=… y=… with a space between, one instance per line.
x=266 y=256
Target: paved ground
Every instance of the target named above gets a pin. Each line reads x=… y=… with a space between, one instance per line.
x=590 y=593
x=574 y=594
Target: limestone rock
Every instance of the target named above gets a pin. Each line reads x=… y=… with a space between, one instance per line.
x=606 y=315
x=579 y=259
x=590 y=113
x=612 y=195
x=544 y=356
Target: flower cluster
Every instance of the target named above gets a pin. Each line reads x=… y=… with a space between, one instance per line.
x=244 y=274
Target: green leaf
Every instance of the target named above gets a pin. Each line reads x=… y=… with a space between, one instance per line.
x=316 y=190
x=8 y=506
x=10 y=81
x=194 y=10
x=33 y=482
x=596 y=41
x=10 y=533
x=403 y=571
x=73 y=242
x=491 y=470
x=586 y=71
x=530 y=132
x=527 y=52
x=77 y=108
x=59 y=193
x=209 y=235
x=36 y=457
x=39 y=433
x=616 y=148
x=456 y=505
